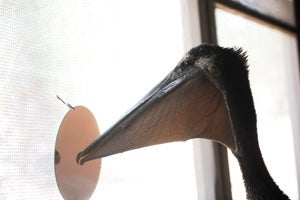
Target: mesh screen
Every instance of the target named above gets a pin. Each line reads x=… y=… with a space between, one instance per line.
x=31 y=62
x=105 y=55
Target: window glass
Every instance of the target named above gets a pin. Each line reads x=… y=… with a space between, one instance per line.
x=282 y=10
x=272 y=56
x=105 y=55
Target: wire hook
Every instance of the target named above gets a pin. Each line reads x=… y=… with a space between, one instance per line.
x=67 y=104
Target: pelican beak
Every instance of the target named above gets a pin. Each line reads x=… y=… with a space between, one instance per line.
x=185 y=105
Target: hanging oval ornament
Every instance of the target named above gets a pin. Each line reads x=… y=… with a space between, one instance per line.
x=77 y=130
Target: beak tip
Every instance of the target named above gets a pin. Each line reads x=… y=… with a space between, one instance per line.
x=80 y=158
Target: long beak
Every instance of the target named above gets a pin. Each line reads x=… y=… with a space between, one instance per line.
x=185 y=105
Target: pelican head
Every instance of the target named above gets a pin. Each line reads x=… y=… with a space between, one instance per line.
x=208 y=96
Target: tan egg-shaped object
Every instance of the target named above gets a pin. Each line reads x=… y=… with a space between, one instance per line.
x=77 y=130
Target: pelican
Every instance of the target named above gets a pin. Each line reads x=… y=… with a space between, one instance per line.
x=208 y=96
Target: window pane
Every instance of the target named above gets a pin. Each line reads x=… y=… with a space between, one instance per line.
x=273 y=68
x=282 y=10
x=105 y=55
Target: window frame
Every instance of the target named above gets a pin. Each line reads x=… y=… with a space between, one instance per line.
x=208 y=35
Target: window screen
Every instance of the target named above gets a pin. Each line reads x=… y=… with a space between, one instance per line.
x=105 y=55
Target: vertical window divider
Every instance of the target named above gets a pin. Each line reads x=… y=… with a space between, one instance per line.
x=297 y=131
x=209 y=35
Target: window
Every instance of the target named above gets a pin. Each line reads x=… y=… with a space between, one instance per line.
x=247 y=24
x=275 y=82
x=270 y=38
